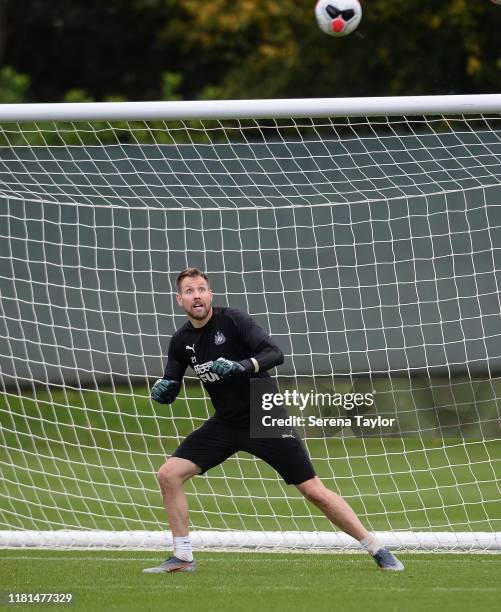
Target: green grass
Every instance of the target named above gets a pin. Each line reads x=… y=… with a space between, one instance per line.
x=249 y=582
x=88 y=460
x=71 y=459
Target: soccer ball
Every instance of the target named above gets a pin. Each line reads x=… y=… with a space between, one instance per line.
x=496 y=1
x=338 y=17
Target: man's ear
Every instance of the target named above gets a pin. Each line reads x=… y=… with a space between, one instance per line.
x=179 y=299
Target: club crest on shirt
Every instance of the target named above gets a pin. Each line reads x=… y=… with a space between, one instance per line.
x=219 y=338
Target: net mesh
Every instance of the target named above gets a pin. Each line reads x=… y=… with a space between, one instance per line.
x=369 y=248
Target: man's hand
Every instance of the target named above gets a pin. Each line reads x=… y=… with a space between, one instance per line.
x=225 y=368
x=165 y=391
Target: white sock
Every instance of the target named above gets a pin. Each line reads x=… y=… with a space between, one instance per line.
x=371 y=544
x=182 y=548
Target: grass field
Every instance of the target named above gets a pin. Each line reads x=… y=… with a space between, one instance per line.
x=71 y=459
x=249 y=582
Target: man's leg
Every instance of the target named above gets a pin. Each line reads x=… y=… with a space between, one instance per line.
x=335 y=508
x=203 y=449
x=171 y=478
x=339 y=512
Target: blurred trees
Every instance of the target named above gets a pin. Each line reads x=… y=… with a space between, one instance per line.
x=153 y=49
x=100 y=49
x=273 y=48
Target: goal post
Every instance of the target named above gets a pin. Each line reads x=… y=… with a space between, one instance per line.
x=364 y=234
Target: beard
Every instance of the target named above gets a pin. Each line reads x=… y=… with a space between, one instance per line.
x=199 y=313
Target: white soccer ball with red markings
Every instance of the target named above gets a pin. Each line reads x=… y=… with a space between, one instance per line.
x=338 y=17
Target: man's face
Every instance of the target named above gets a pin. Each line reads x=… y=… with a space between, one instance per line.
x=195 y=297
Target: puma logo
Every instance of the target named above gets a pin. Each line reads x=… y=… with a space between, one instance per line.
x=190 y=348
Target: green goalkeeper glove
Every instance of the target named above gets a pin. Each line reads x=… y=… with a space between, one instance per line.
x=165 y=391
x=225 y=368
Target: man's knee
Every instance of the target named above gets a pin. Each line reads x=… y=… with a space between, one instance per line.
x=175 y=471
x=167 y=477
x=315 y=491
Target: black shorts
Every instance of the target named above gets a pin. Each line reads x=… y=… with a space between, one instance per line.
x=213 y=443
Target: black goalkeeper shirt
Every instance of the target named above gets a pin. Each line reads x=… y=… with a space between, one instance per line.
x=232 y=334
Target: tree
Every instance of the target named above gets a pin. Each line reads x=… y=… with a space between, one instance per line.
x=112 y=48
x=250 y=49
x=274 y=49
x=3 y=27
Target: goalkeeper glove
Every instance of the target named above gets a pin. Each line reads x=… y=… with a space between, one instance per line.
x=225 y=368
x=165 y=391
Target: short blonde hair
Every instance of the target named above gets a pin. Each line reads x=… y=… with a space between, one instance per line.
x=189 y=273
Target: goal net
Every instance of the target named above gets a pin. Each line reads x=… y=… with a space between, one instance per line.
x=365 y=235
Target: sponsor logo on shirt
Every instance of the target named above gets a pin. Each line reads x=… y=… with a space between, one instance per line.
x=202 y=371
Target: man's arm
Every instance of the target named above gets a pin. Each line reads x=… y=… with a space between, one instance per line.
x=165 y=390
x=264 y=354
x=267 y=356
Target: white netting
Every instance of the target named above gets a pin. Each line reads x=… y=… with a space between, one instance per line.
x=371 y=250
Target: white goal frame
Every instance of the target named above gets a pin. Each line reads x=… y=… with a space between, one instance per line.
x=251 y=109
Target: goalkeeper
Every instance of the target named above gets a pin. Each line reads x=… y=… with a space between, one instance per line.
x=226 y=348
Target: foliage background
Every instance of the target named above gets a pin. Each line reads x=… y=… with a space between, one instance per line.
x=54 y=50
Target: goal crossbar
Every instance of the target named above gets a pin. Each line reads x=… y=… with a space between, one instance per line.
x=252 y=109
x=369 y=248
